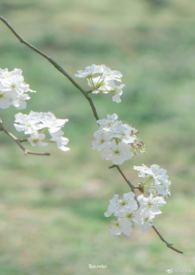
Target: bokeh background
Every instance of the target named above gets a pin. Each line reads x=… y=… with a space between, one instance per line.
x=51 y=208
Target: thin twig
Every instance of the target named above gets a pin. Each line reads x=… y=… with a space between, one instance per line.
x=54 y=63
x=169 y=245
x=19 y=143
x=132 y=187
x=93 y=108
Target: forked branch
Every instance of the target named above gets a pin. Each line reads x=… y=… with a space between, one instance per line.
x=19 y=142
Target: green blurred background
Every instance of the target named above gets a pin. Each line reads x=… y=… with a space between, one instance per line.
x=51 y=209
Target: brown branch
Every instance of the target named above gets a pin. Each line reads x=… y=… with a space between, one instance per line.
x=93 y=108
x=19 y=142
x=54 y=63
x=169 y=245
x=132 y=187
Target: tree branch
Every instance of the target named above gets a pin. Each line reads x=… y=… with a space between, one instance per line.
x=169 y=245
x=19 y=142
x=54 y=63
x=132 y=187
x=86 y=94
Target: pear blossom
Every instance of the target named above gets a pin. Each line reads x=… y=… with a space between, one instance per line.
x=123 y=226
x=117 y=205
x=42 y=127
x=149 y=208
x=144 y=219
x=124 y=210
x=37 y=139
x=117 y=152
x=60 y=140
x=151 y=203
x=156 y=180
x=131 y=211
x=48 y=120
x=13 y=90
x=115 y=228
x=116 y=141
x=102 y=79
x=113 y=206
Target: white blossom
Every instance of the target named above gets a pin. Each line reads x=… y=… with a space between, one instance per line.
x=117 y=152
x=60 y=140
x=130 y=211
x=155 y=178
x=125 y=226
x=102 y=79
x=37 y=139
x=151 y=203
x=115 y=228
x=116 y=141
x=13 y=90
x=144 y=219
x=113 y=206
x=42 y=127
x=48 y=120
x=149 y=208
x=117 y=205
x=124 y=210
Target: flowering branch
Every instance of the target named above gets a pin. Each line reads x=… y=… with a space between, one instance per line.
x=54 y=63
x=96 y=87
x=19 y=142
x=132 y=187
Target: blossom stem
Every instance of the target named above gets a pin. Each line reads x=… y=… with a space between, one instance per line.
x=86 y=94
x=54 y=63
x=19 y=142
x=169 y=245
x=132 y=187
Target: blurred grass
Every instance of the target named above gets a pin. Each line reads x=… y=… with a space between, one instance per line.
x=52 y=208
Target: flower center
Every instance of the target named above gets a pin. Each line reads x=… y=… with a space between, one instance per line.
x=116 y=152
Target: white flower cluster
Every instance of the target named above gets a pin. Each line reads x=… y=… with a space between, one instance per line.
x=156 y=180
x=115 y=140
x=13 y=90
x=131 y=211
x=102 y=79
x=38 y=126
